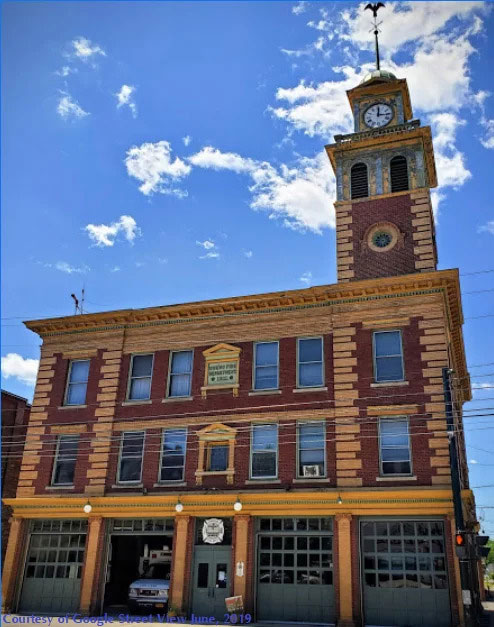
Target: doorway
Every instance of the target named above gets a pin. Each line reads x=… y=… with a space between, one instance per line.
x=211 y=581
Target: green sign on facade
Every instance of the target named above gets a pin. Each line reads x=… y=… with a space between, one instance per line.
x=223 y=373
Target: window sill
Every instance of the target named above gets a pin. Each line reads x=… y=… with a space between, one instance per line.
x=72 y=407
x=301 y=390
x=312 y=480
x=177 y=399
x=170 y=484
x=260 y=481
x=397 y=478
x=143 y=402
x=263 y=392
x=389 y=384
x=128 y=485
x=60 y=487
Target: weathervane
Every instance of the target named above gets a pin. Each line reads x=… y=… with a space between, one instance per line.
x=375 y=8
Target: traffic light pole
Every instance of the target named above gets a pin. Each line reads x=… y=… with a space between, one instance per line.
x=465 y=561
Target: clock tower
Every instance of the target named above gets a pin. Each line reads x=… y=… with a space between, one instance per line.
x=384 y=172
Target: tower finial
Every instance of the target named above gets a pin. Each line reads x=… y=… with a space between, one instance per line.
x=375 y=8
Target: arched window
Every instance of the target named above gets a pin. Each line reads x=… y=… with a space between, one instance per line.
x=359 y=181
x=399 y=174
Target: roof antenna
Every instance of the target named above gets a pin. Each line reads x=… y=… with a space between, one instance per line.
x=78 y=304
x=375 y=8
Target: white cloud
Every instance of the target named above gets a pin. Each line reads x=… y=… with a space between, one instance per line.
x=85 y=50
x=301 y=195
x=162 y=260
x=488 y=140
x=69 y=108
x=213 y=158
x=405 y=22
x=106 y=234
x=489 y=227
x=248 y=254
x=63 y=266
x=207 y=244
x=140 y=264
x=66 y=70
x=186 y=140
x=306 y=278
x=300 y=7
x=211 y=255
x=125 y=98
x=151 y=164
x=473 y=461
x=14 y=365
x=450 y=162
x=116 y=269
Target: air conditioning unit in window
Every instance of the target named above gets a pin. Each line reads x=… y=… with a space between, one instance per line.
x=312 y=470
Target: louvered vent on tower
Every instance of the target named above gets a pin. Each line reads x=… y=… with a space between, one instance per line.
x=359 y=181
x=399 y=174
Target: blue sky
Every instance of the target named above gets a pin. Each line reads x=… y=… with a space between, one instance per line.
x=163 y=152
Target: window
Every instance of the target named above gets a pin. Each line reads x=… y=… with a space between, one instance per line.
x=130 y=465
x=394 y=443
x=358 y=181
x=388 y=356
x=173 y=455
x=265 y=365
x=398 y=174
x=65 y=459
x=311 y=449
x=218 y=457
x=264 y=458
x=77 y=382
x=310 y=362
x=180 y=373
x=141 y=369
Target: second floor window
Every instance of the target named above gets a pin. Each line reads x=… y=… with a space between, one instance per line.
x=388 y=356
x=310 y=362
x=130 y=463
x=311 y=449
x=65 y=460
x=141 y=370
x=264 y=454
x=265 y=365
x=77 y=382
x=173 y=455
x=394 y=444
x=179 y=383
x=218 y=457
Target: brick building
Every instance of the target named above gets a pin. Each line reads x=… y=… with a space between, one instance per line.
x=15 y=416
x=290 y=448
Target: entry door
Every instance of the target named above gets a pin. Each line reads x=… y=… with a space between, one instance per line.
x=211 y=581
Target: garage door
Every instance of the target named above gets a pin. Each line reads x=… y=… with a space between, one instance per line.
x=52 y=575
x=405 y=578
x=295 y=570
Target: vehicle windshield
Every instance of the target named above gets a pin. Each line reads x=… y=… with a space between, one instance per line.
x=156 y=571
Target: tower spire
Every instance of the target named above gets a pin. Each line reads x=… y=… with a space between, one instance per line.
x=375 y=8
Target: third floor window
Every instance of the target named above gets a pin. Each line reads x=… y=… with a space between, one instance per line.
x=77 y=382
x=310 y=372
x=141 y=370
x=265 y=365
x=388 y=356
x=179 y=383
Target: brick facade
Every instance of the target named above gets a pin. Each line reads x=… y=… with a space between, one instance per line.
x=15 y=417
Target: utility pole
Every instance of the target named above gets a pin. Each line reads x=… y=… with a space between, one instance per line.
x=465 y=553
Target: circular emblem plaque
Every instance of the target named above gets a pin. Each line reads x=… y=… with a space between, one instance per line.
x=213 y=531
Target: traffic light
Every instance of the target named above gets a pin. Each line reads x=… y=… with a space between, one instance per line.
x=461 y=545
x=482 y=550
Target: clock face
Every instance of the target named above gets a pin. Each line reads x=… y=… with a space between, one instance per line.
x=378 y=115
